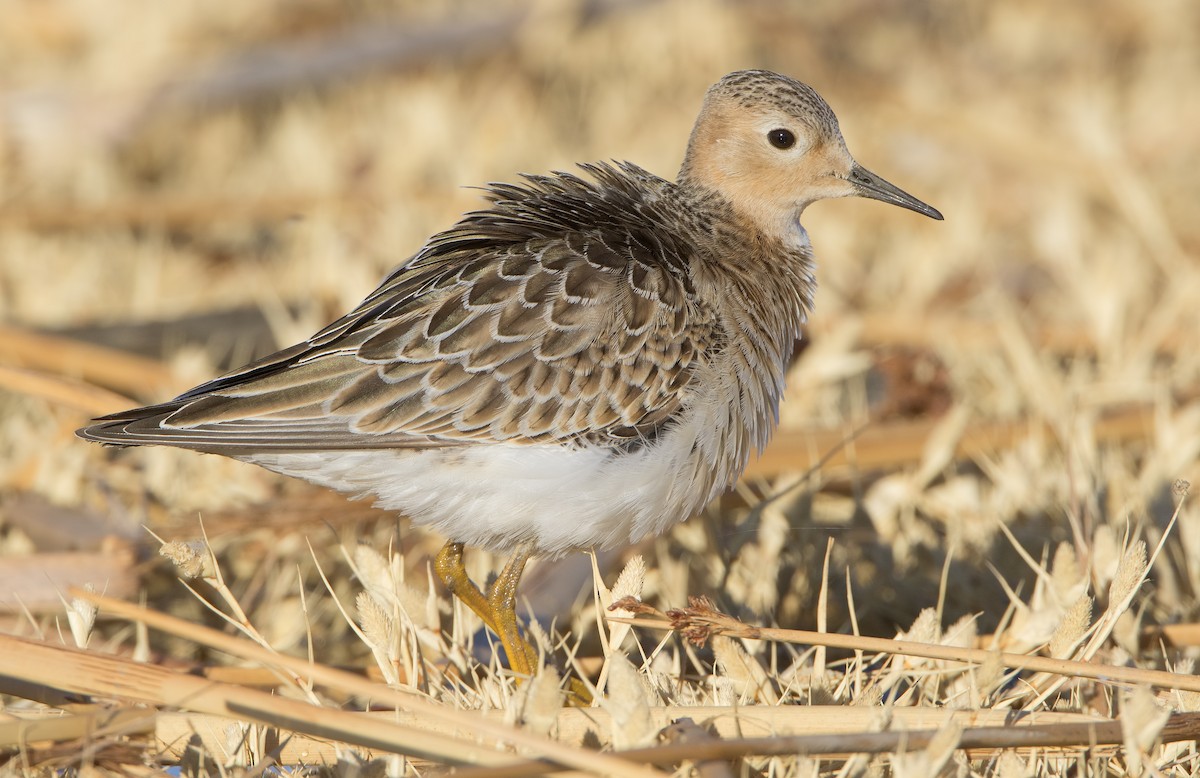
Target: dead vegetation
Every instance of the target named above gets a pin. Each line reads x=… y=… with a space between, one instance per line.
x=984 y=452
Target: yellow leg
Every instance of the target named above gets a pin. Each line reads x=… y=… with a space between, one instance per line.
x=448 y=564
x=502 y=597
x=498 y=608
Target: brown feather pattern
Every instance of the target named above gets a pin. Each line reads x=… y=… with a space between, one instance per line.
x=560 y=314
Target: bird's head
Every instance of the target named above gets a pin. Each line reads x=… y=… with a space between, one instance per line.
x=771 y=146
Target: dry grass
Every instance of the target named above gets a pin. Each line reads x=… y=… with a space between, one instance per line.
x=982 y=447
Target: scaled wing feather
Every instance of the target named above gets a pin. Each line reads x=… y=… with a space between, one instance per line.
x=549 y=318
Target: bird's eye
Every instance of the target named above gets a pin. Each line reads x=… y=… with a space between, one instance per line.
x=781 y=138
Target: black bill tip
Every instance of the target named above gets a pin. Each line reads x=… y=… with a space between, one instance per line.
x=867 y=184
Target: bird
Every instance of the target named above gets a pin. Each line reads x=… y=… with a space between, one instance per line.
x=588 y=359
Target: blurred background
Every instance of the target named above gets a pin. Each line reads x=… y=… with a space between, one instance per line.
x=186 y=185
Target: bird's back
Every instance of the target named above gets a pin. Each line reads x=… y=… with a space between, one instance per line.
x=562 y=313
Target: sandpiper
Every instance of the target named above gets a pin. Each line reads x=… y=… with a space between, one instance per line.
x=585 y=361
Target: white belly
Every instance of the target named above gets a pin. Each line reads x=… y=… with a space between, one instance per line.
x=497 y=496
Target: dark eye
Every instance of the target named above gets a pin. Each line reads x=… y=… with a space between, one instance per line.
x=781 y=138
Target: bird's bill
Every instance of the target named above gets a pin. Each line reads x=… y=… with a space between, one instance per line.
x=867 y=184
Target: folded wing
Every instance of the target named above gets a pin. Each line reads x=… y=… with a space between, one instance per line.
x=518 y=325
